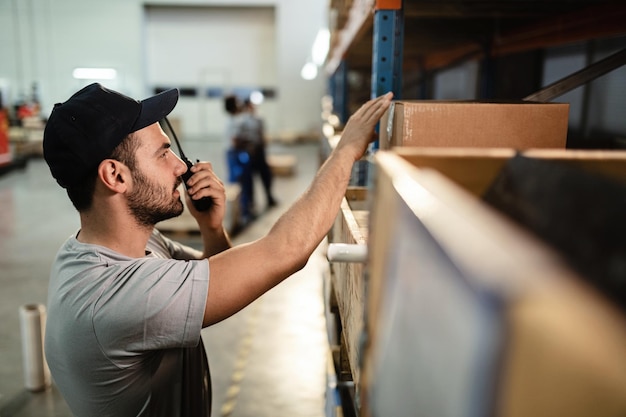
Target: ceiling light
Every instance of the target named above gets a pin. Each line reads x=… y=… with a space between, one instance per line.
x=321 y=46
x=309 y=71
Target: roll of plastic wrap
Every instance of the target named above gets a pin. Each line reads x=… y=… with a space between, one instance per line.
x=33 y=324
x=344 y=252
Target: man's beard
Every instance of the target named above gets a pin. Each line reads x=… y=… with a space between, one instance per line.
x=150 y=203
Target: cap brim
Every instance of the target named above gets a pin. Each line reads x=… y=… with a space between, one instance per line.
x=155 y=108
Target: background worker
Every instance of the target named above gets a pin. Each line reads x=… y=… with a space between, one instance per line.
x=251 y=133
x=238 y=159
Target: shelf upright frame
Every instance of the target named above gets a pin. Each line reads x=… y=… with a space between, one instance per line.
x=387 y=49
x=338 y=86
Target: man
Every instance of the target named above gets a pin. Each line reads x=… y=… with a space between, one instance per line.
x=120 y=310
x=238 y=159
x=252 y=133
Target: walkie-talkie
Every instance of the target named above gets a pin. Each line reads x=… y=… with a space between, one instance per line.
x=204 y=203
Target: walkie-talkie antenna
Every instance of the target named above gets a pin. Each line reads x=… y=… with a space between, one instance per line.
x=204 y=203
x=180 y=150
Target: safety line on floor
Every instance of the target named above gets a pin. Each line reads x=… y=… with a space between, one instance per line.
x=241 y=360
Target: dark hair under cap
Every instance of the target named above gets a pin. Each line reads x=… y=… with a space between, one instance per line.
x=84 y=130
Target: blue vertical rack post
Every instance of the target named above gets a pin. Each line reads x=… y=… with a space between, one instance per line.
x=387 y=47
x=387 y=50
x=388 y=41
x=338 y=86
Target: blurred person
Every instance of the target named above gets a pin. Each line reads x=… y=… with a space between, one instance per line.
x=252 y=136
x=238 y=159
x=126 y=303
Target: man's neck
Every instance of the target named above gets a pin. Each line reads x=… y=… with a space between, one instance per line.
x=123 y=235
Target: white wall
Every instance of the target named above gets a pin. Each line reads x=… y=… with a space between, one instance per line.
x=219 y=47
x=42 y=41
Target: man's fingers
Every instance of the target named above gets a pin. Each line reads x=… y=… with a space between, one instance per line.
x=374 y=109
x=206 y=183
x=203 y=178
x=378 y=106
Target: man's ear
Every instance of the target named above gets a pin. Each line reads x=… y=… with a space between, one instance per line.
x=114 y=175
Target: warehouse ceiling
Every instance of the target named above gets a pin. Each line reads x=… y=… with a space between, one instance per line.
x=438 y=33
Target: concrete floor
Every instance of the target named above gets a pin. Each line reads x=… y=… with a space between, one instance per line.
x=267 y=360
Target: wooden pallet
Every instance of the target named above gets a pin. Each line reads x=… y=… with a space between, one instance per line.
x=282 y=165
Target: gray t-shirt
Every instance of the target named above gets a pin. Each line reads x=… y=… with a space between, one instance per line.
x=250 y=128
x=116 y=326
x=232 y=127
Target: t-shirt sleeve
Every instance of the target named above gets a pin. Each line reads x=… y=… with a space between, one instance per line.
x=152 y=304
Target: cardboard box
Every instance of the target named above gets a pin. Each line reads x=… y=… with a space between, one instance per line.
x=347 y=280
x=465 y=310
x=519 y=125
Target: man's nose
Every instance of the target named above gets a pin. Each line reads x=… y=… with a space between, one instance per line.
x=181 y=167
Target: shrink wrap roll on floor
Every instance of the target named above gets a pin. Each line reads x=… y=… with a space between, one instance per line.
x=32 y=324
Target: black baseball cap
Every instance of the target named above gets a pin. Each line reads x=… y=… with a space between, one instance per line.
x=84 y=130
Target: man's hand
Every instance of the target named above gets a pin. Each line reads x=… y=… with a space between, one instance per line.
x=205 y=183
x=359 y=131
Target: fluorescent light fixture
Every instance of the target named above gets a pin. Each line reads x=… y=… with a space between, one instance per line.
x=321 y=46
x=94 y=73
x=309 y=71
